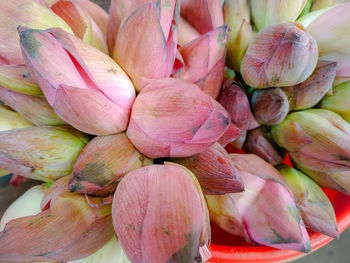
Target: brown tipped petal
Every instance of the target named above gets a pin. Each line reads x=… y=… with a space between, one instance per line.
x=214 y=171
x=260 y=142
x=270 y=106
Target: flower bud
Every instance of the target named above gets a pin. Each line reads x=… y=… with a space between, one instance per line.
x=154 y=58
x=103 y=162
x=331 y=30
x=86 y=88
x=231 y=134
x=236 y=102
x=256 y=214
x=266 y=13
x=33 y=108
x=206 y=70
x=42 y=153
x=280 y=55
x=47 y=236
x=158 y=130
x=214 y=170
x=11 y=120
x=270 y=106
x=339 y=101
x=237 y=17
x=167 y=219
x=308 y=93
x=315 y=208
x=259 y=141
x=318 y=141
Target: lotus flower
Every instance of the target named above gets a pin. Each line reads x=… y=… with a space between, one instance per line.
x=331 y=29
x=265 y=213
x=270 y=106
x=11 y=120
x=280 y=55
x=111 y=252
x=87 y=231
x=82 y=25
x=315 y=208
x=86 y=88
x=266 y=13
x=260 y=142
x=27 y=204
x=103 y=162
x=237 y=17
x=206 y=70
x=145 y=58
x=33 y=108
x=43 y=153
x=201 y=16
x=214 y=170
x=308 y=93
x=151 y=224
x=339 y=101
x=318 y=141
x=231 y=134
x=158 y=130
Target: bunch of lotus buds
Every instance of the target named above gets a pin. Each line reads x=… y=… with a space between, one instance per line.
x=129 y=121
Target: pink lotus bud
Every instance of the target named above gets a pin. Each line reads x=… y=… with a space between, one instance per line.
x=86 y=88
x=236 y=102
x=27 y=13
x=331 y=31
x=308 y=93
x=260 y=142
x=103 y=162
x=147 y=58
x=186 y=33
x=174 y=118
x=214 y=170
x=68 y=229
x=160 y=215
x=270 y=106
x=82 y=25
x=256 y=214
x=33 y=108
x=42 y=153
x=205 y=70
x=203 y=15
x=280 y=55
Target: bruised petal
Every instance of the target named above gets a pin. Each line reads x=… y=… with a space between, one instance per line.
x=103 y=162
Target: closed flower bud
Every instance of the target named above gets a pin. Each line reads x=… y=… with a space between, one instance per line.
x=214 y=170
x=103 y=162
x=339 y=100
x=318 y=141
x=270 y=12
x=86 y=88
x=280 y=55
x=160 y=215
x=256 y=214
x=315 y=208
x=270 y=106
x=158 y=130
x=43 y=153
x=308 y=93
x=48 y=236
x=259 y=141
